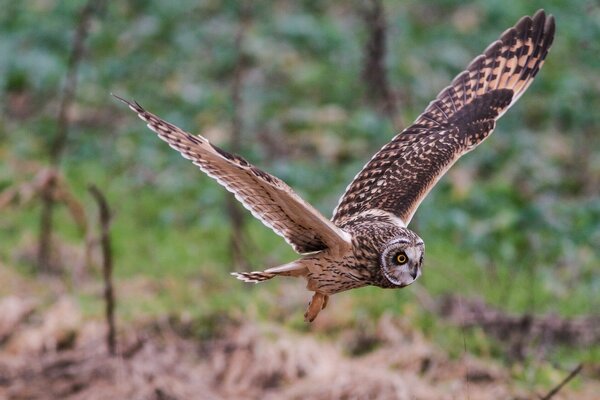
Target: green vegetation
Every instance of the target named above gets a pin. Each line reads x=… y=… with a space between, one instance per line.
x=516 y=222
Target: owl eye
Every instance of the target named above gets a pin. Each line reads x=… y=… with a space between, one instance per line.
x=401 y=258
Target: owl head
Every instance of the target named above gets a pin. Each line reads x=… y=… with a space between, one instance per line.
x=401 y=259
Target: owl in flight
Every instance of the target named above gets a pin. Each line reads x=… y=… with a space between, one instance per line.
x=367 y=241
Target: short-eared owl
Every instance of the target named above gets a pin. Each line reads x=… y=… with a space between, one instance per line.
x=367 y=241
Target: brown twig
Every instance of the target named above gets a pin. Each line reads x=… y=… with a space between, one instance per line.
x=57 y=147
x=107 y=265
x=21 y=194
x=46 y=228
x=77 y=51
x=558 y=387
x=236 y=215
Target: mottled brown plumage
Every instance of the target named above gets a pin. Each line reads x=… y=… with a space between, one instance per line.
x=266 y=196
x=401 y=174
x=367 y=241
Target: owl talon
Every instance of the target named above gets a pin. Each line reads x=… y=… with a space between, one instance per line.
x=318 y=302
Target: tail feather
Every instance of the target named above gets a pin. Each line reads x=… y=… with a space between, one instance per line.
x=253 y=277
x=294 y=268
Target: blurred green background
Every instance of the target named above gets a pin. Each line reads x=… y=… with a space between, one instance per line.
x=516 y=222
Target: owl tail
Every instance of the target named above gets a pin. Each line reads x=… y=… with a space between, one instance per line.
x=294 y=268
x=253 y=277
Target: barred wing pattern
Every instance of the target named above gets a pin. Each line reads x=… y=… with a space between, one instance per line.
x=268 y=198
x=401 y=174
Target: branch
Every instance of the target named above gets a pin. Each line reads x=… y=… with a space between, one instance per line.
x=558 y=387
x=57 y=145
x=68 y=93
x=107 y=265
x=63 y=194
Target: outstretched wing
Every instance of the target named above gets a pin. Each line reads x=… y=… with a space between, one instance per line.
x=267 y=197
x=401 y=174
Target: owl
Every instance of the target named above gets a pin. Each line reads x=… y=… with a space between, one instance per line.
x=367 y=241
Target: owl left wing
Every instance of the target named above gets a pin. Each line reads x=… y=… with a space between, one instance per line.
x=401 y=174
x=267 y=197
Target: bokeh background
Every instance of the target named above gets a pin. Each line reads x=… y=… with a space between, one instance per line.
x=307 y=90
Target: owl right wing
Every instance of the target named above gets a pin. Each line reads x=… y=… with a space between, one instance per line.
x=267 y=197
x=400 y=175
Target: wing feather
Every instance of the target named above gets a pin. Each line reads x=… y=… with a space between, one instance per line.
x=268 y=198
x=401 y=174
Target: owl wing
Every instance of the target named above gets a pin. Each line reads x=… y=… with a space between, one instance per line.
x=401 y=174
x=268 y=198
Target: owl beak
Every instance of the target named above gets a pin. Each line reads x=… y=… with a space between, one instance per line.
x=414 y=273
x=403 y=275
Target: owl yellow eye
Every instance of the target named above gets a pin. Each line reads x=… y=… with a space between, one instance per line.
x=401 y=258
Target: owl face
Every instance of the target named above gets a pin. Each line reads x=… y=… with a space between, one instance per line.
x=401 y=260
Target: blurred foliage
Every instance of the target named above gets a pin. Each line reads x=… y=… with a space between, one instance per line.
x=517 y=221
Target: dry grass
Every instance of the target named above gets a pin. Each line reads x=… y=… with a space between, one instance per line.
x=56 y=354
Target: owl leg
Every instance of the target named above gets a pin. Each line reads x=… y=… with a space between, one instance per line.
x=318 y=302
x=325 y=302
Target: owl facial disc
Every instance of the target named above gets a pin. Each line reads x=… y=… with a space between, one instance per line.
x=401 y=261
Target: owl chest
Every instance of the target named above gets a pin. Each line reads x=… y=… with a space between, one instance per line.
x=338 y=277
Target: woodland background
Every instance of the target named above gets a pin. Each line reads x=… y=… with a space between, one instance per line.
x=307 y=90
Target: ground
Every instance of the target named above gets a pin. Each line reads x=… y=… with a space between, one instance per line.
x=52 y=350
